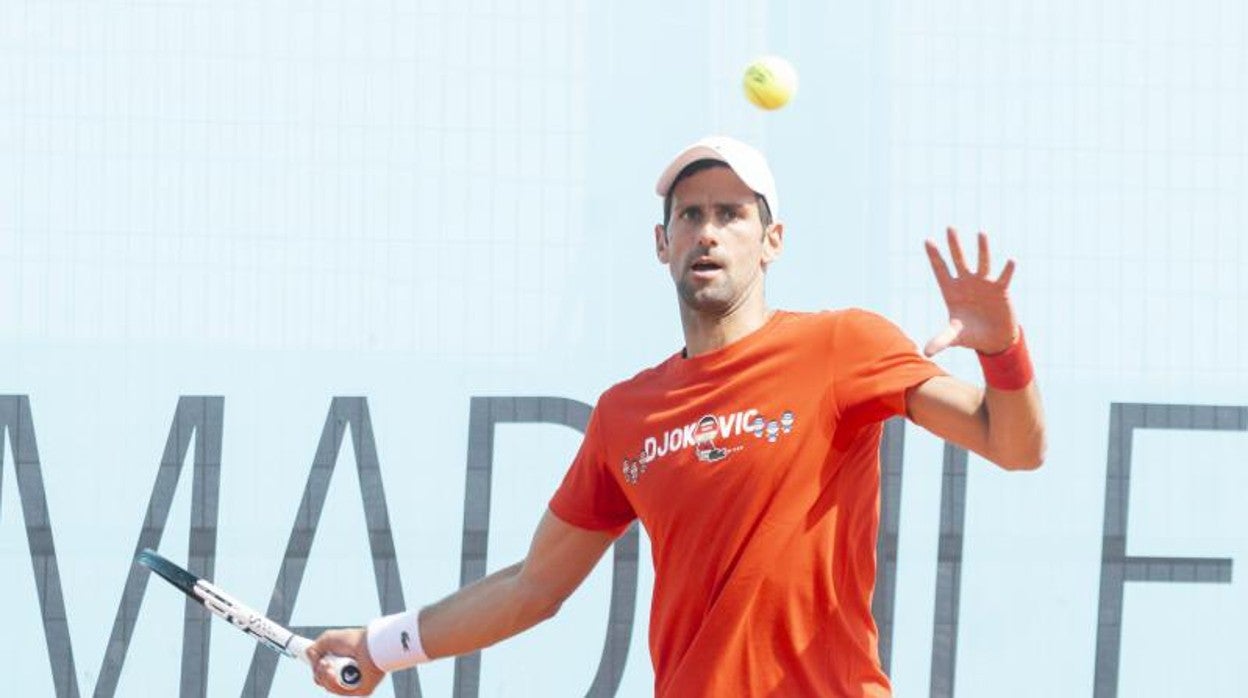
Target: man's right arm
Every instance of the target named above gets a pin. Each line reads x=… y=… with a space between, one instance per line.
x=515 y=598
x=491 y=609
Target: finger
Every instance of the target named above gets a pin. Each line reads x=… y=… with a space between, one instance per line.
x=955 y=251
x=944 y=339
x=1006 y=274
x=325 y=676
x=939 y=268
x=325 y=679
x=985 y=264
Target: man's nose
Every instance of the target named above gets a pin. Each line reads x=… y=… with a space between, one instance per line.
x=708 y=234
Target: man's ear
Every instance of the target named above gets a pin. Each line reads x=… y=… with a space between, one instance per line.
x=660 y=242
x=773 y=243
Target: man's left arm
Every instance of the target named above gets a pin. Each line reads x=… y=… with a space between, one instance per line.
x=1004 y=426
x=1003 y=422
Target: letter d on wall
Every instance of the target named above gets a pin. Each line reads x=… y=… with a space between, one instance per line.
x=485 y=412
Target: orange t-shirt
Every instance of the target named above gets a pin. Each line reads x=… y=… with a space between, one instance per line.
x=755 y=471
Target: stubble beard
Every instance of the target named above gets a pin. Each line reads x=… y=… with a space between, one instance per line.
x=715 y=299
x=702 y=299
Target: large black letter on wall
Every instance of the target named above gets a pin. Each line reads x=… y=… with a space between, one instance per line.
x=16 y=420
x=201 y=418
x=195 y=416
x=883 y=602
x=949 y=555
x=1118 y=568
x=343 y=412
x=948 y=572
x=485 y=412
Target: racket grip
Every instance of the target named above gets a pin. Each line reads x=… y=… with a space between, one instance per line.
x=345 y=669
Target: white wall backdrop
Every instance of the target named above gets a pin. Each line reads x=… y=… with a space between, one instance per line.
x=421 y=203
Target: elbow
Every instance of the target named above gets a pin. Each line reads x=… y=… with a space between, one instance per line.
x=541 y=610
x=549 y=611
x=1020 y=447
x=1022 y=464
x=539 y=602
x=1030 y=458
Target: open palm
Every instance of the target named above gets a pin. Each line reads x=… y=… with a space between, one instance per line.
x=980 y=314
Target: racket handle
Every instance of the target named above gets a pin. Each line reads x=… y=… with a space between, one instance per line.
x=345 y=669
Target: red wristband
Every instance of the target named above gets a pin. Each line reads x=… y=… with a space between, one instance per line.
x=1009 y=369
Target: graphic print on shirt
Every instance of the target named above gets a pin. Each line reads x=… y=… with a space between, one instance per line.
x=706 y=436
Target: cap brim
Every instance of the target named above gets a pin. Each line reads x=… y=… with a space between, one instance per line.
x=745 y=161
x=687 y=157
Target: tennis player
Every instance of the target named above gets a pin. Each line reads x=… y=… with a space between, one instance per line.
x=750 y=456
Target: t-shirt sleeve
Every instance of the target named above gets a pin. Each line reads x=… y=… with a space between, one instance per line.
x=873 y=364
x=590 y=497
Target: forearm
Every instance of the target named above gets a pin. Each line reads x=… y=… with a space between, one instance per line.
x=1004 y=426
x=1014 y=427
x=489 y=610
x=496 y=607
x=515 y=598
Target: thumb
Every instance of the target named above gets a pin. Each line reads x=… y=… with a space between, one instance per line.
x=339 y=642
x=944 y=339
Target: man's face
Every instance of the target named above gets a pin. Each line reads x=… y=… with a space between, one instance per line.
x=715 y=245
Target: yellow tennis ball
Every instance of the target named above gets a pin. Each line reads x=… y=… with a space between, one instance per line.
x=770 y=82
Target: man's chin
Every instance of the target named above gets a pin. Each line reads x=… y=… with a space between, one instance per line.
x=705 y=301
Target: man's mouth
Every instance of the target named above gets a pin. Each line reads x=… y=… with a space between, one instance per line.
x=705 y=265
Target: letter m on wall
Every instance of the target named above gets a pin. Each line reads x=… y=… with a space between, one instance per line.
x=15 y=421
x=197 y=418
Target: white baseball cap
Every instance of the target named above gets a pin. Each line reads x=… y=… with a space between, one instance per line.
x=745 y=160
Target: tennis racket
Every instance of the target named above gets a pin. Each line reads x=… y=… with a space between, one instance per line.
x=250 y=621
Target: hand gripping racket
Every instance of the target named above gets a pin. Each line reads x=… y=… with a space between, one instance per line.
x=260 y=628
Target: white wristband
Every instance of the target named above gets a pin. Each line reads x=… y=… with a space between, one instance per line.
x=394 y=641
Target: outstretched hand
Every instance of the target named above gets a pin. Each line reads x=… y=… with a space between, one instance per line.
x=980 y=314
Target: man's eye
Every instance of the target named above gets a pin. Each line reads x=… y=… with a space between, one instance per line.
x=691 y=214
